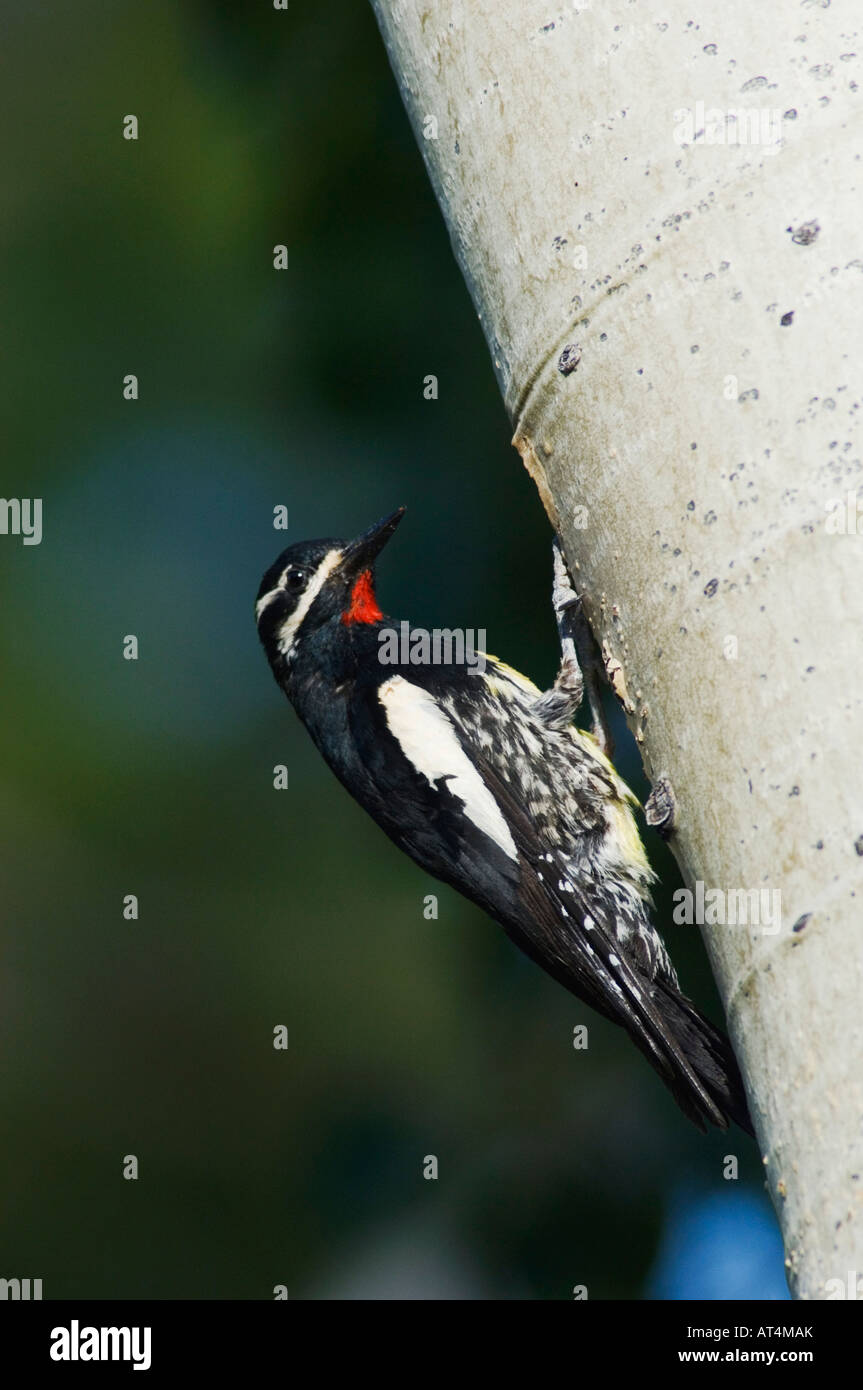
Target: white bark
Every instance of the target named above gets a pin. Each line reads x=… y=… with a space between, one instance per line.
x=704 y=441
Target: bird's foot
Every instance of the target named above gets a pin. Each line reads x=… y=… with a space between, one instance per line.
x=581 y=668
x=660 y=808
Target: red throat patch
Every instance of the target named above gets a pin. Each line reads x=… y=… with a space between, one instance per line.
x=363 y=606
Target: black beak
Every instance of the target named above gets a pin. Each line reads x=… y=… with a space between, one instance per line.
x=362 y=553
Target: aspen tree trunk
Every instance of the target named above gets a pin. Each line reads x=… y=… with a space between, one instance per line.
x=658 y=213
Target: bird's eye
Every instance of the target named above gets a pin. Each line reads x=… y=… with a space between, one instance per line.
x=296 y=579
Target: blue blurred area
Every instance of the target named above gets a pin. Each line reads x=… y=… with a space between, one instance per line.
x=718 y=1245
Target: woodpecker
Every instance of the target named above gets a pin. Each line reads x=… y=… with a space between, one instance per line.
x=486 y=782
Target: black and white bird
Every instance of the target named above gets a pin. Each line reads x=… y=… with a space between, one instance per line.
x=486 y=782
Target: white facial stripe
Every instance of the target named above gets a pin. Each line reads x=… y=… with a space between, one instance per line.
x=290 y=628
x=267 y=599
x=428 y=740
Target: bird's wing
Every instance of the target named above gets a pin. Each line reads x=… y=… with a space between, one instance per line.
x=435 y=784
x=510 y=852
x=571 y=934
x=438 y=787
x=423 y=789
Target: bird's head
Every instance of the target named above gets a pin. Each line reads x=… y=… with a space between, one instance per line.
x=318 y=582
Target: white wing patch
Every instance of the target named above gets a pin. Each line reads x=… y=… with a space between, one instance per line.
x=428 y=740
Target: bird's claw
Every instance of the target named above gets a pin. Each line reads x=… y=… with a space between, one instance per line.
x=578 y=650
x=563 y=595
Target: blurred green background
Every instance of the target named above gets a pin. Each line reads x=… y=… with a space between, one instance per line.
x=408 y=1037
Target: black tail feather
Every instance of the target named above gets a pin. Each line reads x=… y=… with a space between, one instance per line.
x=711 y=1058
